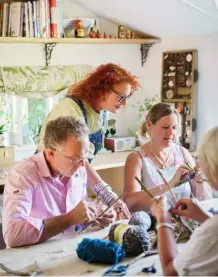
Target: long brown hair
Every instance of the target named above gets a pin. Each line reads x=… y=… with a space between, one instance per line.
x=100 y=81
x=158 y=111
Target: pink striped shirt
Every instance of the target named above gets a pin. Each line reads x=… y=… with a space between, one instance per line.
x=32 y=194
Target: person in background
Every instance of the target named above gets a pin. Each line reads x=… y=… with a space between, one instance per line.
x=161 y=153
x=199 y=256
x=107 y=87
x=46 y=194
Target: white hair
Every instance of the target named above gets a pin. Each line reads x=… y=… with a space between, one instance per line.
x=208 y=153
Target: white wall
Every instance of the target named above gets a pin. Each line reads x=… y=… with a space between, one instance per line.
x=207 y=93
x=128 y=56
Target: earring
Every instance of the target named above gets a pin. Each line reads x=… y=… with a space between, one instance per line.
x=148 y=135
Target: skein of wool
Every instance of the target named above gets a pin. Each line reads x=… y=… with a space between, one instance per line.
x=134 y=239
x=100 y=251
x=140 y=219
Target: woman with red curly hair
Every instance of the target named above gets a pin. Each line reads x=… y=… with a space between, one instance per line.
x=106 y=88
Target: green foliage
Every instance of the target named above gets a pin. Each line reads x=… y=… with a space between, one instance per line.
x=4 y=115
x=145 y=106
x=2 y=130
x=37 y=113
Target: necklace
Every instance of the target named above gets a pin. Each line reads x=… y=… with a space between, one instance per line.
x=157 y=158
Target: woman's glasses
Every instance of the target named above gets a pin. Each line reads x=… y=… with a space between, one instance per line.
x=122 y=98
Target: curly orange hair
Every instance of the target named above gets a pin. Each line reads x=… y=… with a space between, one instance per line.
x=100 y=81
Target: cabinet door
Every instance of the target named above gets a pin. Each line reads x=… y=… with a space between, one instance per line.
x=6 y=155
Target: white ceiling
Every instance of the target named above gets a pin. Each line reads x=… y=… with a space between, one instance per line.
x=159 y=17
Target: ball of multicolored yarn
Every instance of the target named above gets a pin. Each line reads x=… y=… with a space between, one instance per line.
x=135 y=239
x=140 y=219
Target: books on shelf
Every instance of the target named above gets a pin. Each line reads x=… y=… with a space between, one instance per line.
x=39 y=19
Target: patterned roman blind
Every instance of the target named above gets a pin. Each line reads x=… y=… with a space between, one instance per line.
x=40 y=82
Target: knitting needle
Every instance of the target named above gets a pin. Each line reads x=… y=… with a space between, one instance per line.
x=146 y=190
x=178 y=219
x=142 y=255
x=101 y=214
x=110 y=206
x=186 y=179
x=192 y=169
x=167 y=184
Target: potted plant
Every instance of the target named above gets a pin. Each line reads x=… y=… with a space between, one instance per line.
x=2 y=135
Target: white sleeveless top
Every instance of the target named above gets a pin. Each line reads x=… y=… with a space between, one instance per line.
x=151 y=178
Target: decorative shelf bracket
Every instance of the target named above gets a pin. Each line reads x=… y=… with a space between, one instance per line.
x=144 y=52
x=48 y=52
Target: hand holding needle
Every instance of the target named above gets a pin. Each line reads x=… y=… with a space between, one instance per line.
x=100 y=215
x=178 y=219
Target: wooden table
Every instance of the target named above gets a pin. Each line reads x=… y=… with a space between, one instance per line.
x=58 y=256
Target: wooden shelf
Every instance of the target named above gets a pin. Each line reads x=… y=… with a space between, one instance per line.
x=78 y=40
x=177 y=100
x=50 y=43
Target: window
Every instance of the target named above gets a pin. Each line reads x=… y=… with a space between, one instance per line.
x=25 y=115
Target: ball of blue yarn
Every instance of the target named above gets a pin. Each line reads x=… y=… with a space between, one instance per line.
x=100 y=251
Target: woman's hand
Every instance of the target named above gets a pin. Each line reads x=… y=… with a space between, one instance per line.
x=180 y=172
x=190 y=208
x=198 y=175
x=122 y=210
x=160 y=210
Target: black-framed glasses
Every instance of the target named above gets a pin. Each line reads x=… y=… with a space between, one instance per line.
x=122 y=98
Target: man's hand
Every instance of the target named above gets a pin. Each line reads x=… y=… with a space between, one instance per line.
x=121 y=209
x=83 y=212
x=107 y=218
x=190 y=208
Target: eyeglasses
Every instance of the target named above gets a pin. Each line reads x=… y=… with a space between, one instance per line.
x=71 y=160
x=122 y=98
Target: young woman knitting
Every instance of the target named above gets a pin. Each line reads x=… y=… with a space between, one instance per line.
x=161 y=153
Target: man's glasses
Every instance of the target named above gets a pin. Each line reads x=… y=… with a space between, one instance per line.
x=122 y=98
x=71 y=160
